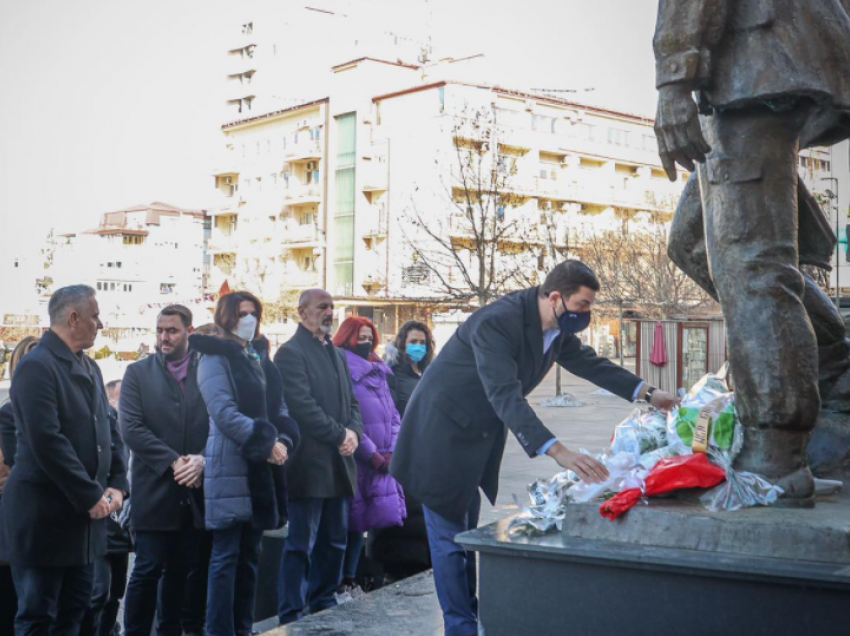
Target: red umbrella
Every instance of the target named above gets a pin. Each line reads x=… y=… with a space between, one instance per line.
x=658 y=357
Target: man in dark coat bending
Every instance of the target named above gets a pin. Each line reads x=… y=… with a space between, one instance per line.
x=454 y=429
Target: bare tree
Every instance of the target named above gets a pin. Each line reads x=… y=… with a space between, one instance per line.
x=636 y=273
x=484 y=242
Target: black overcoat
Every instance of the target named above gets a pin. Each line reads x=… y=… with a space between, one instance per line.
x=160 y=423
x=67 y=455
x=454 y=428
x=320 y=395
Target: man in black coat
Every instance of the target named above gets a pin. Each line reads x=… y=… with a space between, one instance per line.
x=67 y=478
x=165 y=423
x=322 y=475
x=454 y=430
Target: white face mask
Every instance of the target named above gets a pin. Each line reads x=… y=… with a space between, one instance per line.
x=246 y=328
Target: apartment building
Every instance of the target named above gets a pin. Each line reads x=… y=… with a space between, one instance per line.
x=334 y=192
x=138 y=259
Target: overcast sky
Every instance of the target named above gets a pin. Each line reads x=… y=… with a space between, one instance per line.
x=108 y=104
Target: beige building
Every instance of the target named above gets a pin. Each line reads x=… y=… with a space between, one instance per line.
x=138 y=259
x=351 y=191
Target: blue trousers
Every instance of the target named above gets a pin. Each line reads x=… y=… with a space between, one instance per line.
x=233 y=580
x=52 y=601
x=311 y=565
x=454 y=570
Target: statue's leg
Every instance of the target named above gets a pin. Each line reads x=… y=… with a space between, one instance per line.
x=686 y=240
x=686 y=248
x=749 y=188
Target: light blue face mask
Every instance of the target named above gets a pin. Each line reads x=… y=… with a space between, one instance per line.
x=417 y=352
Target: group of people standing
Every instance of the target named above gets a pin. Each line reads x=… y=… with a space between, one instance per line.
x=223 y=443
x=226 y=443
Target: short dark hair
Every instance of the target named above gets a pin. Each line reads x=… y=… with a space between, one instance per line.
x=65 y=299
x=227 y=310
x=178 y=310
x=110 y=386
x=568 y=277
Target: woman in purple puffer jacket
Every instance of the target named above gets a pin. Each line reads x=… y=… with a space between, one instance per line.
x=379 y=502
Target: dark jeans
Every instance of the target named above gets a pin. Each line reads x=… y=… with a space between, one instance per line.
x=454 y=570
x=110 y=581
x=352 y=555
x=8 y=602
x=233 y=580
x=195 y=600
x=176 y=552
x=52 y=601
x=311 y=566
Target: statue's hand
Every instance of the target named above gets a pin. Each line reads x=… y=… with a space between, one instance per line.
x=680 y=138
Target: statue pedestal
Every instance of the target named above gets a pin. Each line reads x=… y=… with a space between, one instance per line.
x=670 y=568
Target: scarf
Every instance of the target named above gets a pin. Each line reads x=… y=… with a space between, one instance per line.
x=179 y=370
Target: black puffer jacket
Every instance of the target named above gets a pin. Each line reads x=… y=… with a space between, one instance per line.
x=404 y=379
x=402 y=551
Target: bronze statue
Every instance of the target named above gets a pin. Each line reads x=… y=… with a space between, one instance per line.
x=770 y=76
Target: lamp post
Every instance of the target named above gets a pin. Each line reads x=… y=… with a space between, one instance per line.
x=833 y=196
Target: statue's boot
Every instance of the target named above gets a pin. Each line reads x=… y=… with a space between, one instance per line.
x=779 y=455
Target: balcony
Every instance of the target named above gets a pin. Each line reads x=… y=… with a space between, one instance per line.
x=374 y=283
x=374 y=177
x=299 y=193
x=297 y=278
x=295 y=235
x=307 y=150
x=222 y=243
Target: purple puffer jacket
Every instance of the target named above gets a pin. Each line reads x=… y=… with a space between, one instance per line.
x=380 y=500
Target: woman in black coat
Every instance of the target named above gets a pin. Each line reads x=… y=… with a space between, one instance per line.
x=8 y=597
x=403 y=551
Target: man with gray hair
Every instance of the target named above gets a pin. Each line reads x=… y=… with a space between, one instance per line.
x=69 y=475
x=321 y=475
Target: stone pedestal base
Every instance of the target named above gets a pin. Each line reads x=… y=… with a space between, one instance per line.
x=670 y=568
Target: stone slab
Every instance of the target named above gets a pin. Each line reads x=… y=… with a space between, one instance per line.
x=820 y=535
x=409 y=607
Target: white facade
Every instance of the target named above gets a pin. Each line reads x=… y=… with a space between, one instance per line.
x=138 y=260
x=383 y=141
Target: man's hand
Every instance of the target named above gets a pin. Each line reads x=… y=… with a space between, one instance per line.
x=279 y=454
x=100 y=509
x=582 y=465
x=350 y=444
x=189 y=470
x=664 y=401
x=115 y=498
x=680 y=138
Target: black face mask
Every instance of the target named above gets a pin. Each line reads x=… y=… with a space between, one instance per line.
x=363 y=349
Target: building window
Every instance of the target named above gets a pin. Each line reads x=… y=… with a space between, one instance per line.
x=442 y=92
x=587 y=132
x=542 y=123
x=618 y=137
x=99 y=285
